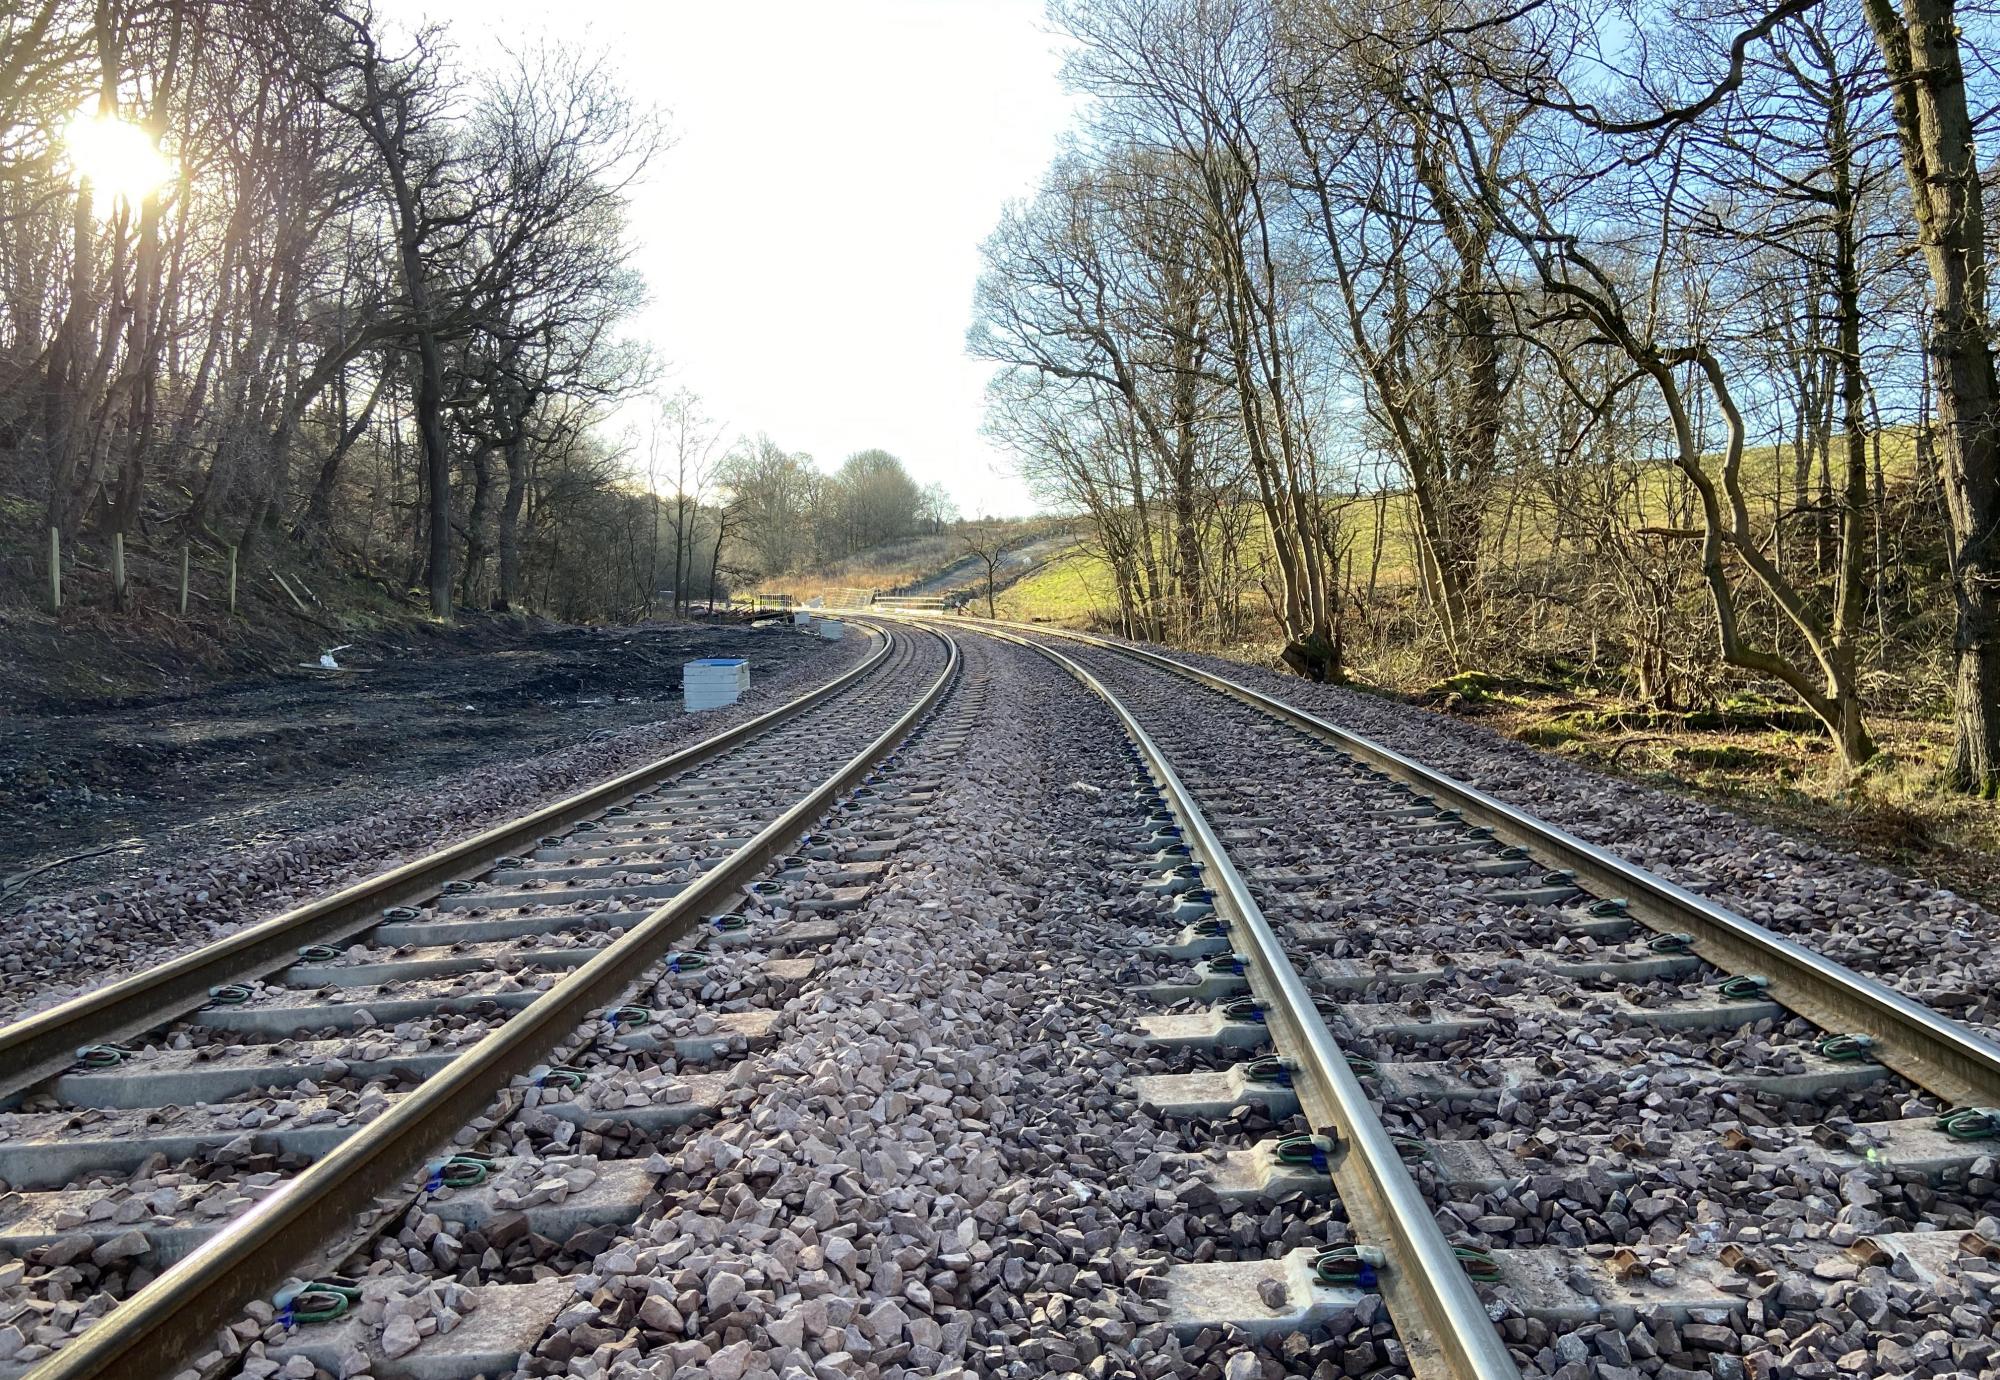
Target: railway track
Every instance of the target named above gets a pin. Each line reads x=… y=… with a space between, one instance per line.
x=1532 y=1067
x=248 y=1111
x=746 y=1064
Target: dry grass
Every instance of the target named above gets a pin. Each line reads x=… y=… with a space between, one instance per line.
x=835 y=591
x=893 y=565
x=889 y=566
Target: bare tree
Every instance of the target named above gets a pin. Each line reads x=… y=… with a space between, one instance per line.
x=990 y=544
x=689 y=439
x=1377 y=234
x=345 y=259
x=399 y=103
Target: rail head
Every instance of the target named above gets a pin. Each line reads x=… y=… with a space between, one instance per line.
x=1439 y=1315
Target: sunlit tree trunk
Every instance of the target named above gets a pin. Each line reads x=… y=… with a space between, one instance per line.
x=1920 y=46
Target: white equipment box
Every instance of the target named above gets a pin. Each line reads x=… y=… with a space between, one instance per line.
x=713 y=682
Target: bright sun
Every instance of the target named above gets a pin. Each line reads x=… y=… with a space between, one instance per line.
x=117 y=158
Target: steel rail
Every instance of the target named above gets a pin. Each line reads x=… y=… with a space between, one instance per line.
x=174 y=1316
x=1931 y=1050
x=39 y=1046
x=1438 y=1314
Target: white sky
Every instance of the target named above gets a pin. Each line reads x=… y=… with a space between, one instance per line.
x=811 y=241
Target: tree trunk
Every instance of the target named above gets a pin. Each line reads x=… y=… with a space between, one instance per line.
x=1187 y=540
x=61 y=403
x=687 y=532
x=475 y=524
x=1850 y=599
x=316 y=522
x=715 y=557
x=437 y=464
x=1920 y=49
x=510 y=522
x=652 y=551
x=144 y=357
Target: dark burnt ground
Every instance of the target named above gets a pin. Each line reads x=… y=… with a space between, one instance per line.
x=262 y=757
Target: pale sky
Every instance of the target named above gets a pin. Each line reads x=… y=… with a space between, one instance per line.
x=811 y=241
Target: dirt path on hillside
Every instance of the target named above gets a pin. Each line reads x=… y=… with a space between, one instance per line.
x=264 y=757
x=970 y=573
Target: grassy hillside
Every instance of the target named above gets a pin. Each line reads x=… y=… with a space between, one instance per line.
x=1521 y=527
x=889 y=566
x=1073 y=587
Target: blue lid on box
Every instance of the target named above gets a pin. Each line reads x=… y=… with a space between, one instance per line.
x=721 y=661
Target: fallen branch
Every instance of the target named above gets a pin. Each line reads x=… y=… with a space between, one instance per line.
x=1619 y=750
x=16 y=883
x=294 y=596
x=304 y=612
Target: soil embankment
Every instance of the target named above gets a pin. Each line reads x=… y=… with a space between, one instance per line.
x=264 y=756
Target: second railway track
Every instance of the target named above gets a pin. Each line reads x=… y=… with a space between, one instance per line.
x=1631 y=1135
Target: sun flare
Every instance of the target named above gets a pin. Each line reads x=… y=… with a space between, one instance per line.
x=117 y=158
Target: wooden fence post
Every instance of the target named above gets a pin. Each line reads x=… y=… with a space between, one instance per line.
x=55 y=570
x=184 y=579
x=118 y=571
x=232 y=580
